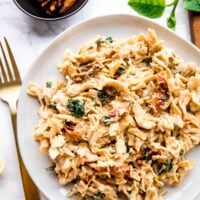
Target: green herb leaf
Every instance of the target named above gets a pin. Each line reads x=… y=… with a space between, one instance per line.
x=128 y=148
x=146 y=155
x=181 y=152
x=49 y=84
x=103 y=96
x=109 y=39
x=161 y=168
x=121 y=70
x=99 y=42
x=193 y=5
x=148 y=8
x=107 y=94
x=51 y=168
x=106 y=120
x=98 y=196
x=169 y=165
x=76 y=107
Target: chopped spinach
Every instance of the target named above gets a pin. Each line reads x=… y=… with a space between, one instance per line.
x=69 y=125
x=103 y=96
x=51 y=168
x=128 y=148
x=161 y=168
x=76 y=107
x=99 y=42
x=169 y=165
x=98 y=196
x=107 y=94
x=109 y=39
x=106 y=120
x=147 y=60
x=48 y=84
x=181 y=152
x=146 y=154
x=121 y=70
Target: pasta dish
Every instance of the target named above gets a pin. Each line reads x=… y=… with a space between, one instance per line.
x=121 y=122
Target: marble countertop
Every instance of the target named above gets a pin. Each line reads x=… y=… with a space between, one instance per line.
x=27 y=37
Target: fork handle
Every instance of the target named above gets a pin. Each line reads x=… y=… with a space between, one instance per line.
x=30 y=190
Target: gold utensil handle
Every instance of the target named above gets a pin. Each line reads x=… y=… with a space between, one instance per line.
x=30 y=190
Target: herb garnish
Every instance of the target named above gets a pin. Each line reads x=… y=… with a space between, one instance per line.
x=161 y=168
x=51 y=168
x=48 y=84
x=146 y=155
x=121 y=70
x=193 y=5
x=181 y=152
x=107 y=94
x=69 y=125
x=148 y=8
x=169 y=165
x=106 y=120
x=98 y=196
x=109 y=39
x=103 y=96
x=100 y=41
x=128 y=148
x=156 y=8
x=76 y=107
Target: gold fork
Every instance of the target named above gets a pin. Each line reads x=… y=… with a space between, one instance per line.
x=10 y=83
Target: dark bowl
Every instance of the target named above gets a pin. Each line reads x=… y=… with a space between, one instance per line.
x=31 y=8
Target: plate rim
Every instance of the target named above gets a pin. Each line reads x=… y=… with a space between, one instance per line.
x=49 y=18
x=54 y=40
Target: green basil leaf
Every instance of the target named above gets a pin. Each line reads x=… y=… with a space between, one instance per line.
x=99 y=42
x=148 y=8
x=121 y=70
x=107 y=94
x=98 y=196
x=109 y=39
x=49 y=84
x=193 y=5
x=51 y=168
x=169 y=165
x=76 y=107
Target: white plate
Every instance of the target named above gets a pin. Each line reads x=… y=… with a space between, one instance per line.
x=119 y=26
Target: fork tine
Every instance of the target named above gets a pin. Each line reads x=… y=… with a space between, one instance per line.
x=3 y=73
x=12 y=59
x=6 y=62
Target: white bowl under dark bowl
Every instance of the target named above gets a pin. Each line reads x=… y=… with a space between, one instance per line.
x=31 y=8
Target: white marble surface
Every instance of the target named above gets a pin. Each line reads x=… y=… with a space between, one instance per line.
x=28 y=37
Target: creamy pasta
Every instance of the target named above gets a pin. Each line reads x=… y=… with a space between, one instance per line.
x=121 y=122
